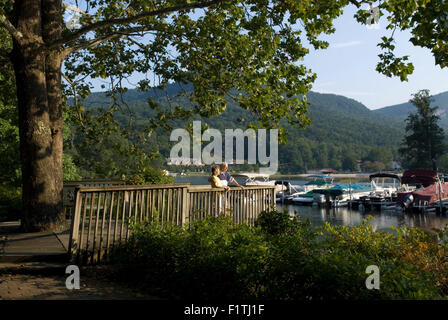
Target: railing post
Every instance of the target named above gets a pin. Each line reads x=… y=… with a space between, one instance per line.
x=74 y=228
x=126 y=203
x=185 y=206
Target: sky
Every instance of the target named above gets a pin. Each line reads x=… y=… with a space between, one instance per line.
x=347 y=67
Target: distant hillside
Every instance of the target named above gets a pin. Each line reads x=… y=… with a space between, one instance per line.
x=343 y=106
x=341 y=127
x=326 y=106
x=401 y=111
x=349 y=120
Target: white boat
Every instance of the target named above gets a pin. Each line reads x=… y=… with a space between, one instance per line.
x=303 y=198
x=384 y=195
x=286 y=195
x=260 y=179
x=317 y=182
x=386 y=183
x=341 y=195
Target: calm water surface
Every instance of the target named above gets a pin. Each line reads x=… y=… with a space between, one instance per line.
x=344 y=216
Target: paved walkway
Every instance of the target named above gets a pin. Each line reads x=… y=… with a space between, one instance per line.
x=32 y=266
x=30 y=247
x=46 y=281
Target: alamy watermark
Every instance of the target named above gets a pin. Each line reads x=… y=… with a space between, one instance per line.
x=373 y=17
x=73 y=280
x=373 y=280
x=212 y=153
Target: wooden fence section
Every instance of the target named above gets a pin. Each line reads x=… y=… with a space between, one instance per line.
x=69 y=191
x=102 y=214
x=243 y=205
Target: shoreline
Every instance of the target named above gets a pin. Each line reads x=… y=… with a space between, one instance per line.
x=299 y=175
x=333 y=175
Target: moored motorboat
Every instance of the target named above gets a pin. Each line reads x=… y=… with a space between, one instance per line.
x=384 y=195
x=317 y=182
x=340 y=195
x=286 y=194
x=303 y=198
x=430 y=191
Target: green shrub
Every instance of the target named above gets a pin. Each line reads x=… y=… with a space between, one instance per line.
x=149 y=175
x=69 y=169
x=10 y=202
x=212 y=259
x=274 y=222
x=281 y=258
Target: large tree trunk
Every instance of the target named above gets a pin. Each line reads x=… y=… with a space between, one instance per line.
x=38 y=85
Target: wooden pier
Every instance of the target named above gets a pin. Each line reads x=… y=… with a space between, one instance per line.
x=101 y=214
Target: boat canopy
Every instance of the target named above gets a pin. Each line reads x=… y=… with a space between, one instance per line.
x=285 y=185
x=283 y=182
x=428 y=195
x=425 y=177
x=351 y=186
x=342 y=188
x=251 y=176
x=319 y=176
x=317 y=183
x=331 y=192
x=309 y=194
x=384 y=175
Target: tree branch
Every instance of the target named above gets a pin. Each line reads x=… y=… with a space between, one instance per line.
x=358 y=3
x=90 y=43
x=11 y=29
x=120 y=33
x=75 y=96
x=72 y=8
x=127 y=37
x=121 y=21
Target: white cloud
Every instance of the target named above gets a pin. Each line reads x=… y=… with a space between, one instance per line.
x=346 y=44
x=346 y=93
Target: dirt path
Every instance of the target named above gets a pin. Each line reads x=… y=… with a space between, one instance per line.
x=18 y=283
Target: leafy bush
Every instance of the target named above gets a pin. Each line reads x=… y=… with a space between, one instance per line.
x=281 y=258
x=69 y=169
x=10 y=202
x=212 y=259
x=280 y=223
x=149 y=175
x=401 y=277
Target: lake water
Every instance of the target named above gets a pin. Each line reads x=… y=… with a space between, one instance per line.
x=344 y=216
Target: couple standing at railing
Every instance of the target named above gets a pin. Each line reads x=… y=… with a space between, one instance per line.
x=221 y=178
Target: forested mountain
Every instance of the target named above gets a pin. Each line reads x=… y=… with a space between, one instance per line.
x=342 y=131
x=401 y=111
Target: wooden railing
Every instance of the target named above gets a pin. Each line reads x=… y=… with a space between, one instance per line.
x=69 y=191
x=102 y=214
x=243 y=205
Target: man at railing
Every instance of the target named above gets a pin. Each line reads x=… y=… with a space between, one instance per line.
x=225 y=176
